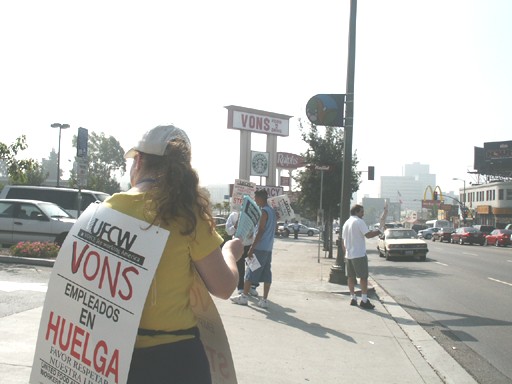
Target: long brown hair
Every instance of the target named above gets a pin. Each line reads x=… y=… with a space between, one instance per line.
x=175 y=194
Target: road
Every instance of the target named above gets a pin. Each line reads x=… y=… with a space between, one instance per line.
x=22 y=287
x=462 y=296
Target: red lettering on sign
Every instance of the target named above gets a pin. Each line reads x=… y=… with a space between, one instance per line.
x=91 y=271
x=77 y=344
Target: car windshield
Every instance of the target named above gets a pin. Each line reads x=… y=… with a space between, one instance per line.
x=405 y=234
x=53 y=210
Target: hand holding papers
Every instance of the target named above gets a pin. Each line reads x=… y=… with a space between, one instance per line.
x=252 y=262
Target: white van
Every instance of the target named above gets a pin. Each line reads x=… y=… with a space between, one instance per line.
x=67 y=198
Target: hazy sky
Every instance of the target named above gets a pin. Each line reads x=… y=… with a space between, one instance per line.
x=433 y=78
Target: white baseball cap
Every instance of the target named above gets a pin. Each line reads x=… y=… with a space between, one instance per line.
x=155 y=140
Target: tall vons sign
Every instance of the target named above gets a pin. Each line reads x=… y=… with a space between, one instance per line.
x=254 y=120
x=289 y=160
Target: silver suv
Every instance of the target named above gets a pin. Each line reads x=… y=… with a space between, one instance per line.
x=33 y=220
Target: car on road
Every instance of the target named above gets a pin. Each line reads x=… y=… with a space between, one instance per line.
x=499 y=237
x=444 y=234
x=303 y=230
x=467 y=235
x=33 y=220
x=427 y=233
x=401 y=242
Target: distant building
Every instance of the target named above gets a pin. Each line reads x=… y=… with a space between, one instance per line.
x=488 y=204
x=408 y=190
x=218 y=193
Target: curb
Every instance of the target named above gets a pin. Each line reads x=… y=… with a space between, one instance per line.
x=27 y=260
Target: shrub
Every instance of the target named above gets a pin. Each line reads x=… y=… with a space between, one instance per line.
x=35 y=249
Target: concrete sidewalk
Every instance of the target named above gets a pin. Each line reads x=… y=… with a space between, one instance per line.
x=309 y=333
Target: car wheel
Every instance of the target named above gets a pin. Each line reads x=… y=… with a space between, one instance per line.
x=461 y=241
x=310 y=233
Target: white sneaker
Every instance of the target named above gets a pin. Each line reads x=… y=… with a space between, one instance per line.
x=240 y=299
x=263 y=303
x=253 y=292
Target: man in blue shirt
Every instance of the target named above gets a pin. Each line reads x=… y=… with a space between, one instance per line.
x=261 y=248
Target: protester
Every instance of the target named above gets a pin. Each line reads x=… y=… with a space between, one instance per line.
x=231 y=225
x=354 y=233
x=261 y=248
x=165 y=193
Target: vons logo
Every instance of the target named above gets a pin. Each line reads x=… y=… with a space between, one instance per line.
x=289 y=160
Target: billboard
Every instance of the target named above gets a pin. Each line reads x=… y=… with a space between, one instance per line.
x=495 y=158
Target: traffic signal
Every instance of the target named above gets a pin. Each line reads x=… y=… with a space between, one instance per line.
x=371 y=172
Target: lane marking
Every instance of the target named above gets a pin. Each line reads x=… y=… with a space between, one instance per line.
x=470 y=254
x=443 y=264
x=499 y=281
x=12 y=286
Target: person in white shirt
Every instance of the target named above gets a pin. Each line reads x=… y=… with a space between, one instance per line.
x=231 y=224
x=354 y=234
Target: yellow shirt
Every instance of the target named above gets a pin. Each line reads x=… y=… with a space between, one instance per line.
x=167 y=305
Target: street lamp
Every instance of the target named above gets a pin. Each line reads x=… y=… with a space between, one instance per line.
x=463 y=200
x=61 y=127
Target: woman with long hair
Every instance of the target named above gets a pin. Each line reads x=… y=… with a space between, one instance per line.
x=165 y=193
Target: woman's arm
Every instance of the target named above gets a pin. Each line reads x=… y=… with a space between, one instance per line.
x=219 y=271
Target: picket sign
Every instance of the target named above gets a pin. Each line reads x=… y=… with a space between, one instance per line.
x=250 y=215
x=99 y=284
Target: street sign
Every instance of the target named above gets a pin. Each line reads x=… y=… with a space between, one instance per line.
x=322 y=167
x=326 y=110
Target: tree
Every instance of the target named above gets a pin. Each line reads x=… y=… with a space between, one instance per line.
x=326 y=149
x=106 y=158
x=37 y=175
x=50 y=165
x=16 y=169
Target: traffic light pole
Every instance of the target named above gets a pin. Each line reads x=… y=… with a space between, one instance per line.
x=337 y=275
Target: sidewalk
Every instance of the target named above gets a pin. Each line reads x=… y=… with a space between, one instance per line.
x=309 y=333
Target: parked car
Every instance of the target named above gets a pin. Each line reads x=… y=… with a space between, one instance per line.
x=401 y=242
x=467 y=235
x=444 y=234
x=485 y=229
x=303 y=230
x=66 y=198
x=499 y=237
x=33 y=220
x=427 y=233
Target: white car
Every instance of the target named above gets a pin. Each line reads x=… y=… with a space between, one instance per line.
x=303 y=230
x=33 y=220
x=401 y=242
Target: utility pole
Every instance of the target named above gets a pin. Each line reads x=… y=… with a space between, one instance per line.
x=337 y=274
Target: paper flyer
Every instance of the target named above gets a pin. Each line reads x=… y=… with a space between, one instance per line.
x=98 y=286
x=282 y=207
x=250 y=215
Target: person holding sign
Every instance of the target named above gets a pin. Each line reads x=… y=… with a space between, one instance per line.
x=261 y=249
x=165 y=193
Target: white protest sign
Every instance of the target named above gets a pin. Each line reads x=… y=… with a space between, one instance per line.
x=249 y=216
x=240 y=189
x=95 y=298
x=282 y=207
x=213 y=334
